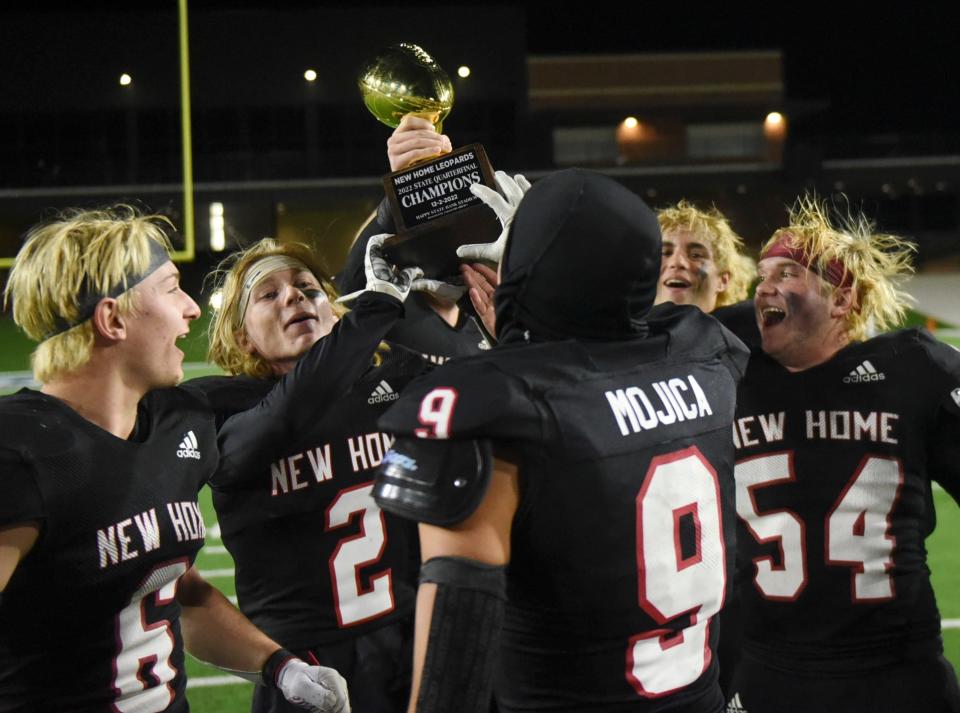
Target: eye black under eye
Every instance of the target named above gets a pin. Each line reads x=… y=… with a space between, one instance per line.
x=312 y=292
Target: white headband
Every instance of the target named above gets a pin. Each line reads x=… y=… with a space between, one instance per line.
x=259 y=270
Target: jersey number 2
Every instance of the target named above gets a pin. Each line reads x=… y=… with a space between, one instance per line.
x=673 y=583
x=353 y=603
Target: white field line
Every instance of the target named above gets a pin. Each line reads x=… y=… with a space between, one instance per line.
x=207 y=681
x=214 y=573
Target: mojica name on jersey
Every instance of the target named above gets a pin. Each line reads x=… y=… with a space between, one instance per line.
x=658 y=404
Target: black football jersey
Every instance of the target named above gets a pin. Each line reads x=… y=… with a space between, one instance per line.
x=741 y=319
x=621 y=542
x=423 y=331
x=834 y=471
x=89 y=620
x=316 y=559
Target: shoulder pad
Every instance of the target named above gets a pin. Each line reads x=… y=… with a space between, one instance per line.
x=698 y=335
x=946 y=359
x=691 y=331
x=437 y=482
x=177 y=397
x=740 y=319
x=228 y=395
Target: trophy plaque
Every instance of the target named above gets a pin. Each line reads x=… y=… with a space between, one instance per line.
x=432 y=206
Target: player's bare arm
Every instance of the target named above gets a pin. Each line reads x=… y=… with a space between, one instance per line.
x=483 y=537
x=15 y=542
x=215 y=631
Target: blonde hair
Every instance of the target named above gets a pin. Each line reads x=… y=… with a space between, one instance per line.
x=79 y=252
x=725 y=245
x=875 y=262
x=226 y=327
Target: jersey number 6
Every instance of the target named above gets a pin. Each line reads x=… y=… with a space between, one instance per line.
x=146 y=644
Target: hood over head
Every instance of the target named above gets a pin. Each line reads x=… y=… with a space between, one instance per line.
x=582 y=261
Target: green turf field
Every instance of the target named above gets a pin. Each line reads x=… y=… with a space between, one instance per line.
x=210 y=690
x=944 y=561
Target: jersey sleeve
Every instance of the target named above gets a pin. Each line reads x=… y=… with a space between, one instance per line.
x=249 y=441
x=740 y=319
x=21 y=501
x=228 y=395
x=697 y=335
x=469 y=399
x=944 y=444
x=736 y=356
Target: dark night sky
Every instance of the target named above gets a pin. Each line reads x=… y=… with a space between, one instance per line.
x=884 y=66
x=890 y=66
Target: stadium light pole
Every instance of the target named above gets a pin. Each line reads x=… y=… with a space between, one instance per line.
x=189 y=249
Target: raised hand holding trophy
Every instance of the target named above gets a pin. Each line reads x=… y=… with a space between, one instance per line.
x=431 y=202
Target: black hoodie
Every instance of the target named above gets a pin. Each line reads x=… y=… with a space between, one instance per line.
x=582 y=261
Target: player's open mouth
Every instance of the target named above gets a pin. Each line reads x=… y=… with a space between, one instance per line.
x=302 y=317
x=674 y=282
x=772 y=315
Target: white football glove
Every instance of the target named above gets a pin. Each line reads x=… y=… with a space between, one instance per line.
x=505 y=205
x=443 y=290
x=314 y=688
x=382 y=276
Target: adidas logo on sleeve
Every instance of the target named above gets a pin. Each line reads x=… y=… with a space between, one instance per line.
x=383 y=392
x=864 y=372
x=188 y=447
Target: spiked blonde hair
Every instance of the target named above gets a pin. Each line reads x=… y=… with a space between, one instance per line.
x=226 y=327
x=877 y=263
x=92 y=251
x=713 y=227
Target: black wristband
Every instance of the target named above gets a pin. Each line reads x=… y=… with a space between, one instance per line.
x=272 y=666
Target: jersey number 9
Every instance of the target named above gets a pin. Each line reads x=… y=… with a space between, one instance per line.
x=677 y=485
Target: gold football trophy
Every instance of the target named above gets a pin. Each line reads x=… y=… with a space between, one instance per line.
x=431 y=202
